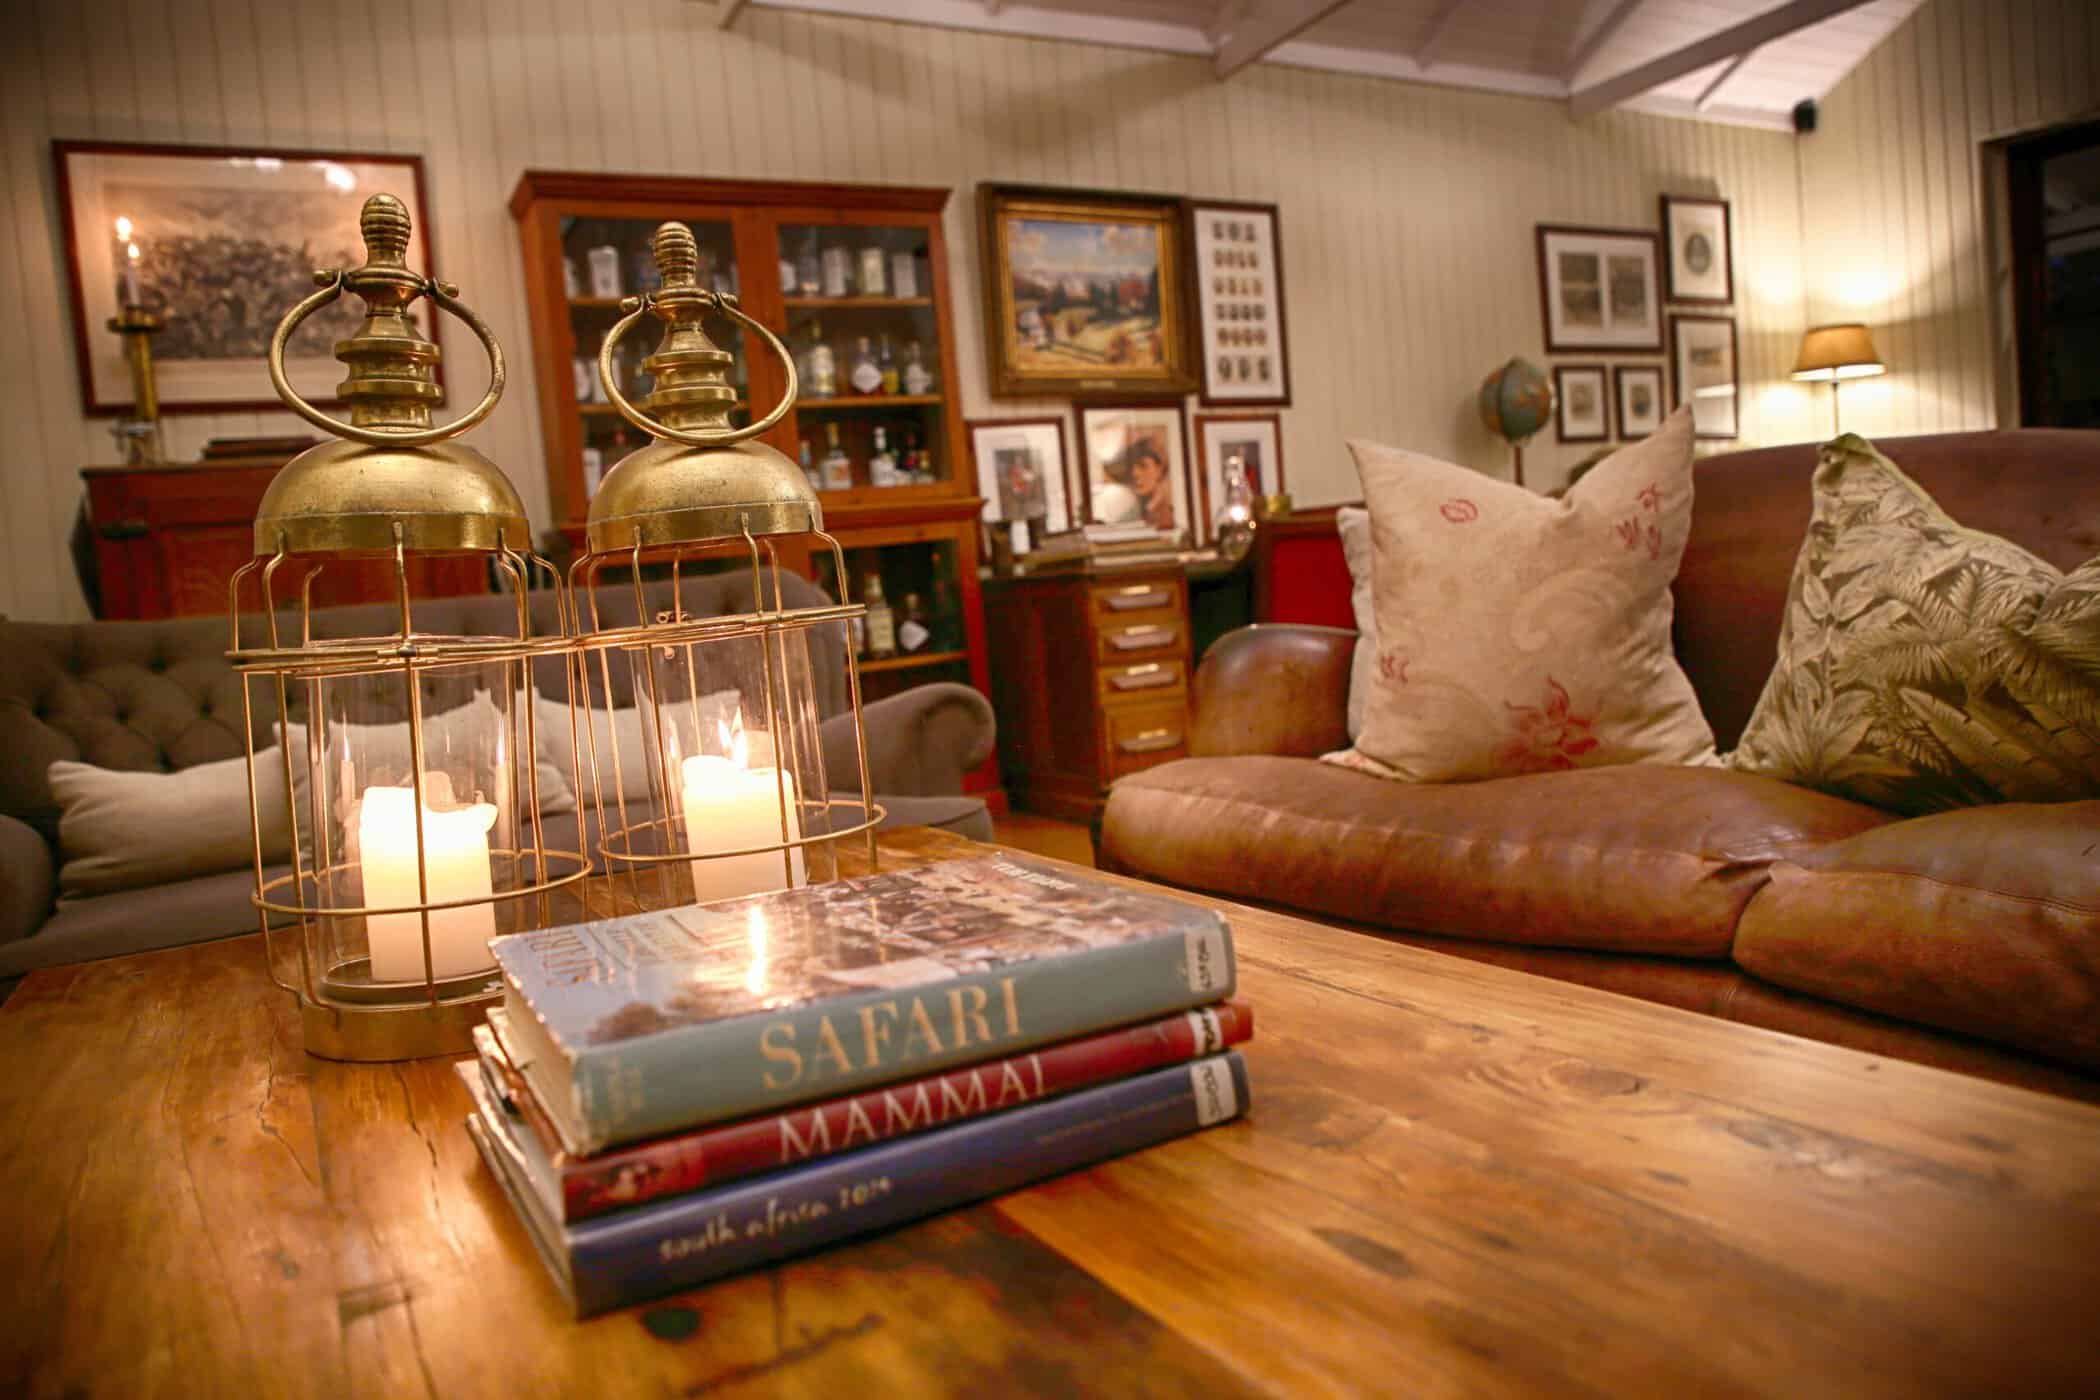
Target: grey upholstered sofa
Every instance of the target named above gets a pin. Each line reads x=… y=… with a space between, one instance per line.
x=160 y=696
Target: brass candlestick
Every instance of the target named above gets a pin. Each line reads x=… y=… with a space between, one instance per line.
x=138 y=432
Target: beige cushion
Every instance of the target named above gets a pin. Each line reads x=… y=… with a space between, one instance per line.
x=1923 y=665
x=1520 y=634
x=1353 y=524
x=123 y=831
x=617 y=734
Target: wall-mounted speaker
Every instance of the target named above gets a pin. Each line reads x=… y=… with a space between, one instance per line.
x=1805 y=116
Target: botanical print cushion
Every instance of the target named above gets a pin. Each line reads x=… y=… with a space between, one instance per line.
x=1521 y=634
x=1924 y=665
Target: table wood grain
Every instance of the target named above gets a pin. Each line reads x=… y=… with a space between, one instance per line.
x=1455 y=1179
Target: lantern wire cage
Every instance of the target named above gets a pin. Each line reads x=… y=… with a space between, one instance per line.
x=407 y=766
x=727 y=791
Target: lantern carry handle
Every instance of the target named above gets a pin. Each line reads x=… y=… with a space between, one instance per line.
x=638 y=307
x=333 y=283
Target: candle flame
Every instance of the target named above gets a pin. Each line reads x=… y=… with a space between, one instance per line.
x=131 y=251
x=733 y=739
x=124 y=227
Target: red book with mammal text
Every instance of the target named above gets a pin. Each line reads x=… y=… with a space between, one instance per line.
x=722 y=1152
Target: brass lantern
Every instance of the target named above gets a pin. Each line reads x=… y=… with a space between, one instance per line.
x=727 y=792
x=397 y=774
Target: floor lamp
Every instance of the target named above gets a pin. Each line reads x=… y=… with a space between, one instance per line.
x=1837 y=353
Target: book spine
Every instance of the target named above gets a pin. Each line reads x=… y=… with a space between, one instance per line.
x=687 y=1241
x=694 y=1075
x=713 y=1156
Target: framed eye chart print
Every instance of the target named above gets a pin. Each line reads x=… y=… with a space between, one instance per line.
x=1238 y=271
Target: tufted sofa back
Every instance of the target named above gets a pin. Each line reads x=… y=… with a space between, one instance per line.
x=160 y=696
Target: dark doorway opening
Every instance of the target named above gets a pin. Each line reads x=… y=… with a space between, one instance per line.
x=2054 y=185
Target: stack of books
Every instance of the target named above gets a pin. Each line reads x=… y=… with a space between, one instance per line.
x=1101 y=545
x=674 y=1096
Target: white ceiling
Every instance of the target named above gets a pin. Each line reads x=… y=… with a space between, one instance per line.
x=1546 y=48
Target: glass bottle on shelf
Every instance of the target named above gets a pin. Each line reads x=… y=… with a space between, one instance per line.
x=918 y=380
x=836 y=471
x=790 y=280
x=808 y=276
x=921 y=463
x=838 y=271
x=874 y=276
x=809 y=464
x=882 y=467
x=864 y=375
x=886 y=362
x=821 y=372
x=912 y=632
x=904 y=274
x=882 y=623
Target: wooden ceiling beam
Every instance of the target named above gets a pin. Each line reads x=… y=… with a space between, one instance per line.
x=726 y=12
x=1586 y=48
x=1433 y=32
x=1731 y=42
x=1713 y=89
x=1278 y=22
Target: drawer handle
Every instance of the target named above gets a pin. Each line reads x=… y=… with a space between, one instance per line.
x=1141 y=677
x=1150 y=741
x=1138 y=596
x=1138 y=638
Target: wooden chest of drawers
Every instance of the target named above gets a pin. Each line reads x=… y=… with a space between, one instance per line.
x=1090 y=679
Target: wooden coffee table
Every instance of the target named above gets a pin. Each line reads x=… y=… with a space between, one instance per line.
x=1456 y=1178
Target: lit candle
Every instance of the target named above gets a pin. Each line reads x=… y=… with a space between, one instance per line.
x=456 y=857
x=131 y=261
x=731 y=806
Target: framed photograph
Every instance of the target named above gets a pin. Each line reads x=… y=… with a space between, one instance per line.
x=1137 y=470
x=1599 y=289
x=1084 y=292
x=1638 y=390
x=1703 y=367
x=1021 y=470
x=1237 y=268
x=1582 y=412
x=228 y=240
x=1256 y=439
x=1700 y=264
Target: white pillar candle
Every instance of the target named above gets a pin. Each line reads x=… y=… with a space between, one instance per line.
x=730 y=807
x=456 y=857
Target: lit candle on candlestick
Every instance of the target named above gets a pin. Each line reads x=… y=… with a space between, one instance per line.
x=456 y=859
x=131 y=261
x=731 y=806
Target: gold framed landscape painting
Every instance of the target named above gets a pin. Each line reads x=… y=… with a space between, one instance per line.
x=1084 y=292
x=217 y=242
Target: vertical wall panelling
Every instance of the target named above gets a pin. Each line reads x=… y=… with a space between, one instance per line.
x=1407 y=210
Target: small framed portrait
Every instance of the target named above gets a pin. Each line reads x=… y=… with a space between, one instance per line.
x=1700 y=265
x=1583 y=413
x=1703 y=369
x=1638 y=390
x=1255 y=441
x=1137 y=467
x=1238 y=266
x=1021 y=470
x=1084 y=292
x=1599 y=289
x=219 y=243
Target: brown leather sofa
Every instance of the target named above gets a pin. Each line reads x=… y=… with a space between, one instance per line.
x=160 y=696
x=1968 y=939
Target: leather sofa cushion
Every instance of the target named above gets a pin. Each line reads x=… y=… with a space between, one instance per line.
x=1984 y=920
x=1638 y=858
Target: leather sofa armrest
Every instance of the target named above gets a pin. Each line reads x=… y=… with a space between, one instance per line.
x=920 y=742
x=1274 y=688
x=28 y=879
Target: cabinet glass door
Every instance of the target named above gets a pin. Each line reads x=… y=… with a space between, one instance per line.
x=605 y=260
x=865 y=333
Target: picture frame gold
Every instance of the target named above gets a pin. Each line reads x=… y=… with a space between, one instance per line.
x=1085 y=293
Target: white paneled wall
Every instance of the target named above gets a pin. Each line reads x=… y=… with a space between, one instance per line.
x=1896 y=208
x=1407 y=210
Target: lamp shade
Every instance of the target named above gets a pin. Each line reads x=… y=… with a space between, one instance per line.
x=1837 y=352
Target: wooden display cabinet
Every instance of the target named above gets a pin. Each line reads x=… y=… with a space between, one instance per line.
x=799 y=258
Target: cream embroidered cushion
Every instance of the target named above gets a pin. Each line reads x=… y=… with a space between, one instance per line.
x=1353 y=524
x=1520 y=634
x=1924 y=665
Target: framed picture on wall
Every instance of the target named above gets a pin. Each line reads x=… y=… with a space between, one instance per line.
x=1703 y=369
x=1021 y=470
x=1583 y=412
x=226 y=241
x=1255 y=439
x=1699 y=266
x=1084 y=292
x=1599 y=288
x=1638 y=392
x=1237 y=268
x=1137 y=470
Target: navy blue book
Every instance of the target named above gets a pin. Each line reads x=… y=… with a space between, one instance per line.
x=614 y=1260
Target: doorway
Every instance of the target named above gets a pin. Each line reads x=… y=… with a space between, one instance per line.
x=2053 y=184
